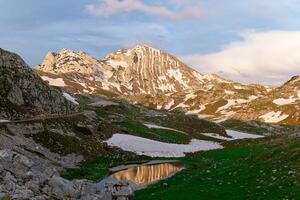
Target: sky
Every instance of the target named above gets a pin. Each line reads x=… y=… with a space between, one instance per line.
x=251 y=41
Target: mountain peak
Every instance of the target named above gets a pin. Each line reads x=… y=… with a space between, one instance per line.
x=293 y=80
x=65 y=50
x=68 y=61
x=142 y=45
x=146 y=47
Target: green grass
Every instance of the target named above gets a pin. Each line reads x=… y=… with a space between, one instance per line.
x=98 y=169
x=101 y=113
x=261 y=128
x=91 y=170
x=237 y=172
x=157 y=134
x=63 y=144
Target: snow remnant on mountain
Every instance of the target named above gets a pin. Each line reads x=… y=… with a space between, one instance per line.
x=152 y=148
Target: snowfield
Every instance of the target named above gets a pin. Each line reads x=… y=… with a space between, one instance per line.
x=235 y=135
x=70 y=98
x=152 y=148
x=282 y=101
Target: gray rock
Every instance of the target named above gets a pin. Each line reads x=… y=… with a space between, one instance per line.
x=21 y=86
x=294 y=136
x=22 y=193
x=62 y=188
x=85 y=187
x=25 y=128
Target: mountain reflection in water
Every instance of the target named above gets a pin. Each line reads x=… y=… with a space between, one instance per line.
x=147 y=174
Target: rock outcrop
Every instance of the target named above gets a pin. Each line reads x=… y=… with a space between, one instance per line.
x=23 y=93
x=25 y=176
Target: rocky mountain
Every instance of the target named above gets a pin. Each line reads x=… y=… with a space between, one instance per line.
x=154 y=78
x=24 y=94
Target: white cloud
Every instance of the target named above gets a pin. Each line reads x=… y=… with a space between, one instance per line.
x=181 y=9
x=261 y=57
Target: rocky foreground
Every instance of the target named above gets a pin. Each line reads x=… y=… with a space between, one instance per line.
x=36 y=121
x=31 y=171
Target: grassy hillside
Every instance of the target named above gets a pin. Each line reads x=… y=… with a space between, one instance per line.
x=265 y=169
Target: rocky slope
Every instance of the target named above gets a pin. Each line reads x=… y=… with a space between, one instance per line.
x=151 y=77
x=24 y=94
x=281 y=105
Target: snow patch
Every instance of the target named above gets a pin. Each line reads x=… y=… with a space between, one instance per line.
x=70 y=98
x=282 y=101
x=178 y=76
x=190 y=96
x=158 y=107
x=59 y=82
x=161 y=127
x=167 y=87
x=152 y=148
x=192 y=112
x=229 y=92
x=274 y=117
x=235 y=135
x=298 y=94
x=238 y=87
x=170 y=104
x=116 y=63
x=199 y=76
x=234 y=102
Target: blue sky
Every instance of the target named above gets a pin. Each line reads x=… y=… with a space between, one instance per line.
x=207 y=34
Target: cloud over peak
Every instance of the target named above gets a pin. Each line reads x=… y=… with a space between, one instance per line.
x=172 y=9
x=264 y=57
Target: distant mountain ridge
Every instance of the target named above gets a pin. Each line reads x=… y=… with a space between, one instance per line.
x=154 y=78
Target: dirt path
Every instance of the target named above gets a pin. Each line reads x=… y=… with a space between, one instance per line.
x=46 y=117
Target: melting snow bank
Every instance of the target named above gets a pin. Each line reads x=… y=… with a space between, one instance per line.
x=235 y=135
x=70 y=98
x=161 y=127
x=152 y=148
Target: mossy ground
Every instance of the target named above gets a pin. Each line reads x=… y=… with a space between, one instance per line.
x=157 y=134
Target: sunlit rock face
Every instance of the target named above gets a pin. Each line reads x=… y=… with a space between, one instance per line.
x=147 y=174
x=150 y=77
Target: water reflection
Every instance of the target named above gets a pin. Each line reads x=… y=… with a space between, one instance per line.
x=146 y=174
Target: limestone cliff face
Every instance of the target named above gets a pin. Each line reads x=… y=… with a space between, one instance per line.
x=67 y=61
x=144 y=69
x=23 y=93
x=151 y=77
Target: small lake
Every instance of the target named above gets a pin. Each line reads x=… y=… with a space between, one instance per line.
x=140 y=175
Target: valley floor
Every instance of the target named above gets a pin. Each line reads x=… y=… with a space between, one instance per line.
x=251 y=167
x=265 y=168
